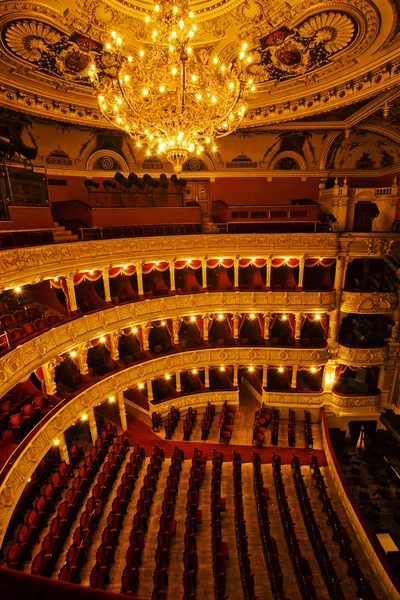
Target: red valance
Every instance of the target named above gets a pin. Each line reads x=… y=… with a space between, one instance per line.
x=257 y=262
x=154 y=266
x=323 y=262
x=224 y=262
x=87 y=275
x=127 y=270
x=289 y=262
x=192 y=263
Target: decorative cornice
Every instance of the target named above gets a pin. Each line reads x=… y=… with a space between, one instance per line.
x=363 y=357
x=369 y=302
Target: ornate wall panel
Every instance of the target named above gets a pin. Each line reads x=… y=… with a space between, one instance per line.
x=355 y=401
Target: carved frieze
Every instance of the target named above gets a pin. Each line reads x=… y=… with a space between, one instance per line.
x=355 y=401
x=369 y=302
x=276 y=398
x=361 y=356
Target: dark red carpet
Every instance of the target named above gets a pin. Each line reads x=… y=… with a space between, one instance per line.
x=141 y=433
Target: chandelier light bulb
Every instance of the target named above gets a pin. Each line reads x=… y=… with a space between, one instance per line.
x=173 y=101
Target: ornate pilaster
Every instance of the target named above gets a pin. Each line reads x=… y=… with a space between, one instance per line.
x=114 y=344
x=207 y=377
x=63 y=449
x=268 y=278
x=81 y=357
x=122 y=411
x=293 y=383
x=139 y=275
x=267 y=321
x=297 y=329
x=329 y=376
x=172 y=273
x=145 y=335
x=49 y=373
x=150 y=396
x=176 y=325
x=71 y=292
x=204 y=271
x=236 y=272
x=92 y=425
x=301 y=270
x=265 y=376
x=178 y=386
x=106 y=283
x=206 y=319
x=235 y=375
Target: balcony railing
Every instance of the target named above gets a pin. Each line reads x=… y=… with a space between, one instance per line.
x=354 y=401
x=369 y=302
x=362 y=357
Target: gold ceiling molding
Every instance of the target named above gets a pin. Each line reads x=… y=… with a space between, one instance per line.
x=29 y=265
x=18 y=364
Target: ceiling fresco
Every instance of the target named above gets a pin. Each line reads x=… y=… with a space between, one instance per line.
x=309 y=57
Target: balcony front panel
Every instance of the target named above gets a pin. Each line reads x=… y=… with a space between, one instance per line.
x=293 y=398
x=215 y=397
x=369 y=302
x=362 y=357
x=17 y=364
x=349 y=401
x=26 y=265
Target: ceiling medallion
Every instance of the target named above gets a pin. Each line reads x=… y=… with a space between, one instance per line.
x=166 y=95
x=286 y=53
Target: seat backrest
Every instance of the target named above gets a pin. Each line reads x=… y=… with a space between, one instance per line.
x=23 y=534
x=31 y=518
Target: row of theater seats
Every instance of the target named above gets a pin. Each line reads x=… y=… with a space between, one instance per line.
x=262 y=418
x=21 y=413
x=107 y=233
x=300 y=564
x=35 y=519
x=325 y=563
x=269 y=546
x=189 y=422
x=100 y=572
x=207 y=420
x=14 y=239
x=22 y=324
x=240 y=526
x=137 y=536
x=171 y=421
x=226 y=420
x=219 y=548
x=292 y=428
x=340 y=534
x=308 y=434
x=193 y=519
x=275 y=427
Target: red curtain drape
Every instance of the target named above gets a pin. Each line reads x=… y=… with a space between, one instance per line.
x=127 y=270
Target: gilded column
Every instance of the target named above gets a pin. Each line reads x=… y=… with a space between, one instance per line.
x=293 y=383
x=204 y=271
x=207 y=377
x=150 y=396
x=267 y=321
x=49 y=374
x=139 y=275
x=145 y=336
x=235 y=319
x=106 y=283
x=178 y=386
x=235 y=375
x=297 y=329
x=236 y=272
x=92 y=425
x=71 y=292
x=176 y=325
x=122 y=411
x=265 y=376
x=301 y=271
x=172 y=273
x=269 y=263
x=205 y=318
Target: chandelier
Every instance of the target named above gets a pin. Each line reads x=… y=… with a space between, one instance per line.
x=168 y=95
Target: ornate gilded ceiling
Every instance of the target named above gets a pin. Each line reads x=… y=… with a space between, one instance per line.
x=309 y=57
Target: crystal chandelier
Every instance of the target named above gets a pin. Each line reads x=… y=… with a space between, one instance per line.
x=166 y=95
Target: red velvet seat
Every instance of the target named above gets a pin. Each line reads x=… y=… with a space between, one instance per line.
x=130 y=581
x=16 y=556
x=99 y=577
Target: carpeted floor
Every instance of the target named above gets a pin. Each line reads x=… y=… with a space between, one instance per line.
x=139 y=432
